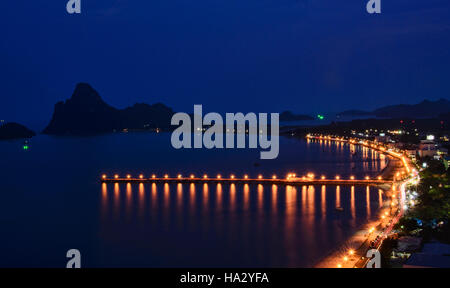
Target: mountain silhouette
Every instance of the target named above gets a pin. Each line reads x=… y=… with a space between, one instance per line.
x=15 y=131
x=424 y=109
x=86 y=113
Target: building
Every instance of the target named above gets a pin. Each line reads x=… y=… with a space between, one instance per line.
x=382 y=138
x=427 y=148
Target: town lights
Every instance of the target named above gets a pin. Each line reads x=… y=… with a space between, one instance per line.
x=345 y=258
x=192 y=176
x=219 y=176
x=116 y=176
x=339 y=266
x=367 y=178
x=205 y=176
x=166 y=176
x=104 y=176
x=128 y=176
x=380 y=178
x=338 y=177
x=141 y=176
x=351 y=251
x=323 y=177
x=232 y=176
x=260 y=177
x=352 y=177
x=153 y=176
x=245 y=176
x=179 y=176
x=274 y=177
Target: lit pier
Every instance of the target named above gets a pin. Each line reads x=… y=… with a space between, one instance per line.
x=289 y=180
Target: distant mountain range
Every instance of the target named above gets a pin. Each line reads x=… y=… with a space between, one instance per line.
x=424 y=109
x=86 y=113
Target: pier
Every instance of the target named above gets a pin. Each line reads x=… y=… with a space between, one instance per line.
x=292 y=181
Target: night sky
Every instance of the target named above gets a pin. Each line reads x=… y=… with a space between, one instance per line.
x=308 y=56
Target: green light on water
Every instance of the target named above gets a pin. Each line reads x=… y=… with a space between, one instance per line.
x=320 y=117
x=25 y=147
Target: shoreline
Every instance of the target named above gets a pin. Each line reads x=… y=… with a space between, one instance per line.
x=358 y=240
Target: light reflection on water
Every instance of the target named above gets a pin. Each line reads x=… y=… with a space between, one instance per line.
x=292 y=226
x=176 y=225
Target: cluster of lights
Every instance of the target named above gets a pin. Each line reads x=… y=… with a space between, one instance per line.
x=350 y=252
x=310 y=176
x=409 y=172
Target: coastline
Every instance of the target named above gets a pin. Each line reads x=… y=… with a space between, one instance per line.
x=359 y=240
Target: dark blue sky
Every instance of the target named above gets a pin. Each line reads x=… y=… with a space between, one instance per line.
x=229 y=55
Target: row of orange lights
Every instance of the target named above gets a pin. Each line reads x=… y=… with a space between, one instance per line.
x=232 y=176
x=386 y=214
x=179 y=176
x=371 y=230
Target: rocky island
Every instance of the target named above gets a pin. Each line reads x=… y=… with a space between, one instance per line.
x=86 y=113
x=13 y=130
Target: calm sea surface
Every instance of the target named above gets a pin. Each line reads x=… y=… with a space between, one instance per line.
x=52 y=201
